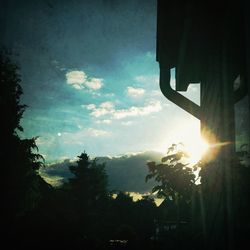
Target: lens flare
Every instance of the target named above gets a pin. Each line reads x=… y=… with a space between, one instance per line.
x=196 y=149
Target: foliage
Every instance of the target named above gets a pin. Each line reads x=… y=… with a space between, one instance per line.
x=82 y=201
x=22 y=187
x=175 y=178
x=90 y=179
x=11 y=92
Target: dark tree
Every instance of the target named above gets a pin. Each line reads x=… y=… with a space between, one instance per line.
x=177 y=185
x=89 y=183
x=22 y=188
x=84 y=199
x=11 y=92
x=176 y=179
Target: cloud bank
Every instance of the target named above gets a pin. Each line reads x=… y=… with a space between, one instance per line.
x=125 y=173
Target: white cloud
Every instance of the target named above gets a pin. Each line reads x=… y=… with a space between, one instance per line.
x=89 y=106
x=156 y=93
x=152 y=107
x=103 y=109
x=152 y=79
x=108 y=108
x=96 y=132
x=135 y=92
x=78 y=86
x=79 y=80
x=76 y=78
x=106 y=121
x=128 y=123
x=94 y=83
x=46 y=140
x=107 y=105
x=109 y=94
x=100 y=112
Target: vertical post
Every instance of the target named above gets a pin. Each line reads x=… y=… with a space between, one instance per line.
x=217 y=126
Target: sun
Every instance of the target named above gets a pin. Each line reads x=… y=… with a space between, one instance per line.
x=189 y=135
x=196 y=149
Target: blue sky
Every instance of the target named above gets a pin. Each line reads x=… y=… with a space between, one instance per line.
x=90 y=77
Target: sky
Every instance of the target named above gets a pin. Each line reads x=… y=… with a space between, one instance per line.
x=90 y=77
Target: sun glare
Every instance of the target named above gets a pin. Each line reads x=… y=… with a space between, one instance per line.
x=189 y=136
x=196 y=149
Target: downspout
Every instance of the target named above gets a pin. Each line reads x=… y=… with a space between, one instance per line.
x=174 y=96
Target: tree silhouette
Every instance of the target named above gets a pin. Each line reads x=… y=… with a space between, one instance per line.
x=22 y=188
x=84 y=198
x=11 y=92
x=176 y=184
x=90 y=180
x=176 y=179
